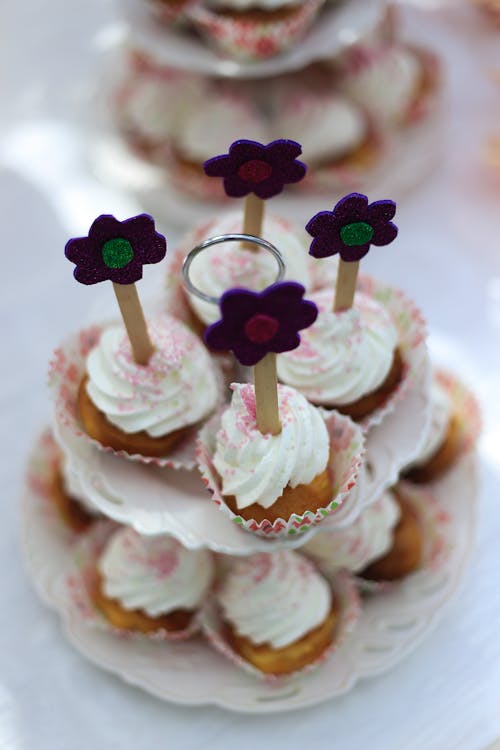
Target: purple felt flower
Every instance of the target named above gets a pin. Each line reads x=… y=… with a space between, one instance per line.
x=352 y=227
x=256 y=323
x=252 y=167
x=116 y=250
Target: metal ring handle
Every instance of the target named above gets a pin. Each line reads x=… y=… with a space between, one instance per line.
x=220 y=240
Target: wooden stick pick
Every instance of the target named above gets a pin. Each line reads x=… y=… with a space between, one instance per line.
x=345 y=286
x=253 y=218
x=135 y=322
x=266 y=395
x=116 y=251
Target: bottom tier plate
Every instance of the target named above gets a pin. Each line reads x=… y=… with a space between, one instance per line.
x=391 y=625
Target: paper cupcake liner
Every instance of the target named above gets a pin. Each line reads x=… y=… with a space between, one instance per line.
x=465 y=408
x=43 y=466
x=65 y=374
x=343 y=587
x=346 y=457
x=81 y=579
x=433 y=520
x=426 y=103
x=254 y=40
x=168 y=13
x=409 y=322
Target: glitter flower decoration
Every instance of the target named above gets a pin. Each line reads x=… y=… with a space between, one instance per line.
x=256 y=323
x=252 y=167
x=116 y=250
x=352 y=227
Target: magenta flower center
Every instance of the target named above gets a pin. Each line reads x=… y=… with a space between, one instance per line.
x=255 y=171
x=261 y=328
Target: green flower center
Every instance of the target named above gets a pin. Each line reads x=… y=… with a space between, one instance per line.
x=117 y=253
x=358 y=233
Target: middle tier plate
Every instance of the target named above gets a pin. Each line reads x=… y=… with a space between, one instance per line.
x=166 y=501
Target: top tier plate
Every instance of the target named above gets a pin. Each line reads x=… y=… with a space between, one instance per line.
x=342 y=23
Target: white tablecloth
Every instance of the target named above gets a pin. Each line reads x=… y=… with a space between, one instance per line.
x=447 y=695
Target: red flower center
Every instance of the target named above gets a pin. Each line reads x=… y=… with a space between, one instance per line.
x=255 y=171
x=261 y=328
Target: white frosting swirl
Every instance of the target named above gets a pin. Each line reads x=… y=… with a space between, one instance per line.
x=342 y=356
x=148 y=108
x=229 y=265
x=356 y=546
x=328 y=128
x=211 y=124
x=274 y=598
x=441 y=412
x=154 y=574
x=177 y=388
x=256 y=468
x=385 y=80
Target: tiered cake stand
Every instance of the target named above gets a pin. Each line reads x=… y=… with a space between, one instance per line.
x=392 y=622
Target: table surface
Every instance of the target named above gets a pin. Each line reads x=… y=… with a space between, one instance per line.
x=447 y=695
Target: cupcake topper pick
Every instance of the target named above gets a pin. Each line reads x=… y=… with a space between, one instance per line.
x=116 y=251
x=257 y=172
x=256 y=326
x=349 y=230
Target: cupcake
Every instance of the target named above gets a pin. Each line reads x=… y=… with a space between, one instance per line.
x=205 y=127
x=254 y=29
x=405 y=554
x=270 y=477
x=353 y=548
x=76 y=511
x=389 y=81
x=278 y=611
x=230 y=265
x=151 y=584
x=333 y=130
x=348 y=360
x=443 y=440
x=147 y=409
x=148 y=103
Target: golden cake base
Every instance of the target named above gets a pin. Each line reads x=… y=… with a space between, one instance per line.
x=405 y=555
x=291 y=658
x=443 y=459
x=294 y=500
x=97 y=426
x=136 y=619
x=367 y=404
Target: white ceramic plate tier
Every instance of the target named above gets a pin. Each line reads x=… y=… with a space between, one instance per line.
x=166 y=501
x=392 y=624
x=341 y=24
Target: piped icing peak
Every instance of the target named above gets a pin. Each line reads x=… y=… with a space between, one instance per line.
x=177 y=388
x=274 y=599
x=256 y=468
x=154 y=574
x=343 y=355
